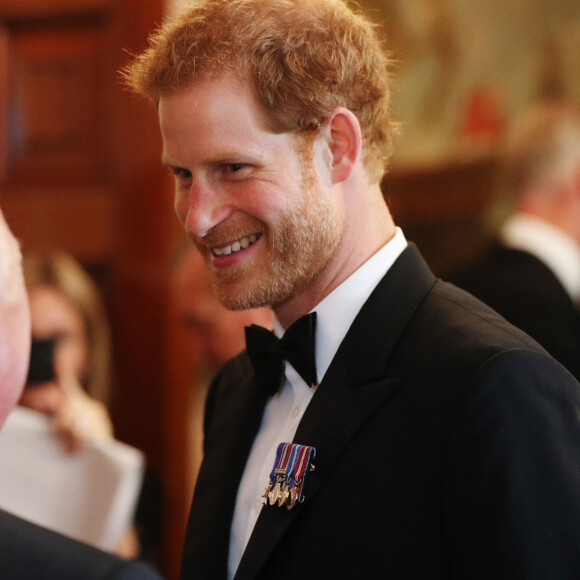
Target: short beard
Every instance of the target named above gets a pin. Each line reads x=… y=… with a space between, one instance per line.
x=300 y=249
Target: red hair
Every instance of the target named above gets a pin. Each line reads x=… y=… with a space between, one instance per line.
x=304 y=57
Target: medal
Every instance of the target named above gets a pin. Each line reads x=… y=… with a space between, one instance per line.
x=274 y=494
x=293 y=462
x=283 y=497
x=292 y=499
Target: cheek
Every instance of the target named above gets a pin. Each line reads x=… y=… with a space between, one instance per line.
x=13 y=365
x=15 y=354
x=181 y=206
x=71 y=356
x=269 y=205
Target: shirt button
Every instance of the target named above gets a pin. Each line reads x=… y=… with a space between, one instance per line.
x=295 y=412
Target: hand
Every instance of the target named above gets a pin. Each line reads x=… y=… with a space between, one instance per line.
x=80 y=418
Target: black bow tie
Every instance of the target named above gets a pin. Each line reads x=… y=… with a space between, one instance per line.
x=268 y=353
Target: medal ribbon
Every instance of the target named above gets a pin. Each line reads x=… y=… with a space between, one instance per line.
x=307 y=453
x=288 y=474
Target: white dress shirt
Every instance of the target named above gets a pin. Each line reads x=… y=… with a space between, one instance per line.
x=550 y=245
x=283 y=412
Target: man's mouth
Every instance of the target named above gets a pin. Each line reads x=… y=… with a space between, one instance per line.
x=236 y=246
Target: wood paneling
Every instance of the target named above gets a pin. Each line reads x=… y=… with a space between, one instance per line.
x=79 y=219
x=55 y=84
x=20 y=10
x=440 y=191
x=440 y=208
x=57 y=167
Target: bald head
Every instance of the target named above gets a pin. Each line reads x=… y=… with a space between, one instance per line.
x=14 y=322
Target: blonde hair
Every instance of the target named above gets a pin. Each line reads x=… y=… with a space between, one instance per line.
x=63 y=273
x=304 y=57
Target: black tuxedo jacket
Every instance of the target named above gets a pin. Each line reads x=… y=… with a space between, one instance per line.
x=29 y=552
x=448 y=446
x=526 y=292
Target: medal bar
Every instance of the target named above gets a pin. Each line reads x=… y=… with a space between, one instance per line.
x=293 y=463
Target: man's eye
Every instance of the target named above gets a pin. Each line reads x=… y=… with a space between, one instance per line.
x=182 y=173
x=235 y=167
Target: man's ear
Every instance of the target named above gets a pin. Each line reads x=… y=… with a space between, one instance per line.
x=345 y=143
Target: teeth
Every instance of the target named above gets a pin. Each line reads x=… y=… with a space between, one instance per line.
x=236 y=246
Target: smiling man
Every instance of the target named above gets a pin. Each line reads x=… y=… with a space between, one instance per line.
x=251 y=199
x=398 y=427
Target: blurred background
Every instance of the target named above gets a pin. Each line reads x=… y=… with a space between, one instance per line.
x=80 y=172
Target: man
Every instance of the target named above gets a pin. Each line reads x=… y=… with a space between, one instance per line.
x=531 y=274
x=436 y=440
x=28 y=551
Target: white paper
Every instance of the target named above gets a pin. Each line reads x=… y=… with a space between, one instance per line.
x=90 y=495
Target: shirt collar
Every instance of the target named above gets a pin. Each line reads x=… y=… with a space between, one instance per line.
x=549 y=244
x=347 y=299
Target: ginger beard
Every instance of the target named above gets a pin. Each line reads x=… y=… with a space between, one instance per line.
x=298 y=247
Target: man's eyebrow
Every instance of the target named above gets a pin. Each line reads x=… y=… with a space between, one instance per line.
x=225 y=157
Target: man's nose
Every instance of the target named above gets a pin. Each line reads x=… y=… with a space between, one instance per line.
x=201 y=209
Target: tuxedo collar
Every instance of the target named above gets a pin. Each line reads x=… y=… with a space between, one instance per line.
x=348 y=298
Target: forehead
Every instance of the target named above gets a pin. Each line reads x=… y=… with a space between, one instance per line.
x=52 y=306
x=213 y=113
x=210 y=101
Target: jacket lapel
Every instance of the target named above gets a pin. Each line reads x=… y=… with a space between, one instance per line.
x=355 y=386
x=228 y=443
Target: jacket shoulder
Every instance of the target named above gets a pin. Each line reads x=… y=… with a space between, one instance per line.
x=33 y=552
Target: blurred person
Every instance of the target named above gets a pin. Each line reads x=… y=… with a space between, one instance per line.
x=66 y=309
x=30 y=552
x=531 y=273
x=214 y=335
x=68 y=315
x=394 y=426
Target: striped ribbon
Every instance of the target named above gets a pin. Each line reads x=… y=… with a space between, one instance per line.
x=292 y=464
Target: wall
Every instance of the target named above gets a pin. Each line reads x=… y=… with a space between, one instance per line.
x=465 y=67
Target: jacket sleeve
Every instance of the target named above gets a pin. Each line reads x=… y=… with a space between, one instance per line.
x=134 y=570
x=511 y=490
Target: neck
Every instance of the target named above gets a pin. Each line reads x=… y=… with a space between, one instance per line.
x=361 y=239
